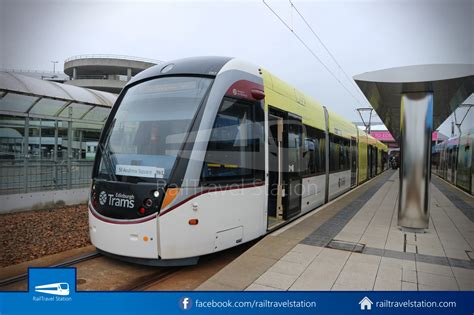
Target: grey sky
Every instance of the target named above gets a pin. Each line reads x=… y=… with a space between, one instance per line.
x=363 y=36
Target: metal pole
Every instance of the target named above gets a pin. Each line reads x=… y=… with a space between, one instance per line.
x=370 y=120
x=80 y=144
x=39 y=141
x=368 y=124
x=26 y=154
x=54 y=66
x=416 y=128
x=326 y=150
x=69 y=150
x=459 y=124
x=55 y=153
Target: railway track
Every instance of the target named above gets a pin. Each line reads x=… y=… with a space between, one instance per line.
x=146 y=282
x=66 y=263
x=136 y=279
x=139 y=284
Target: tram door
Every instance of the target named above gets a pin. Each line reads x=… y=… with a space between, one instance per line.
x=293 y=160
x=275 y=163
x=374 y=161
x=285 y=146
x=454 y=158
x=353 y=161
x=369 y=161
x=449 y=163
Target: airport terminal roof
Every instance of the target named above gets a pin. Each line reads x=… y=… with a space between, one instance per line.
x=28 y=95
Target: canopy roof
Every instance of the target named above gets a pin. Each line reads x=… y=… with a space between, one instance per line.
x=28 y=95
x=450 y=84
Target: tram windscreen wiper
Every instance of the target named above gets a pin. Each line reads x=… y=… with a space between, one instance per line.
x=108 y=162
x=105 y=155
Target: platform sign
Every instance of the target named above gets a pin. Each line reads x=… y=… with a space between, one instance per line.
x=53 y=291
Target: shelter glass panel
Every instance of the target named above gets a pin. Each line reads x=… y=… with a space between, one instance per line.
x=12 y=131
x=77 y=110
x=97 y=114
x=47 y=106
x=16 y=102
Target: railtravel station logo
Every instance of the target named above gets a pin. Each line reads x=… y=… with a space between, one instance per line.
x=52 y=284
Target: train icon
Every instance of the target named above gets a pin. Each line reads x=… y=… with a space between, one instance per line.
x=60 y=288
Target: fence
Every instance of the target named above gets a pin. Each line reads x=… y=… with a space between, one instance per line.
x=23 y=176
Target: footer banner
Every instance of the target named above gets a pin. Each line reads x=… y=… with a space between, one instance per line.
x=53 y=291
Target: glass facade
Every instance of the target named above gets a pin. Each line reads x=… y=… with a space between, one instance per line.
x=47 y=143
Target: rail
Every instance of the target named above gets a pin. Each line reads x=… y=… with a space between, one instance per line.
x=66 y=263
x=139 y=284
x=144 y=283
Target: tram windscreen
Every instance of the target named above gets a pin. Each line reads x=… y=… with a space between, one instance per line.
x=149 y=128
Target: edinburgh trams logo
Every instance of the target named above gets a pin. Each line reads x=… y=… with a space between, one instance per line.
x=117 y=200
x=102 y=198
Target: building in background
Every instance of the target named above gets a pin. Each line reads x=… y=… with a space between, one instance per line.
x=107 y=73
x=48 y=135
x=386 y=137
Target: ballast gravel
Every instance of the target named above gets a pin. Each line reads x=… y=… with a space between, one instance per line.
x=32 y=234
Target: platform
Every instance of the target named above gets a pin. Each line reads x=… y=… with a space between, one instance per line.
x=354 y=243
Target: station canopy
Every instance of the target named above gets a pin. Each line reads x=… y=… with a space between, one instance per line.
x=450 y=84
x=25 y=95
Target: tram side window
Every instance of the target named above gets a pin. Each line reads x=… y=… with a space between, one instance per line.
x=313 y=154
x=339 y=159
x=235 y=144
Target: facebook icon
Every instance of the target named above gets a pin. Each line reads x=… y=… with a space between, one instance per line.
x=185 y=303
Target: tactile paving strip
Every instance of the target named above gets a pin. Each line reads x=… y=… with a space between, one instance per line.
x=323 y=235
x=451 y=194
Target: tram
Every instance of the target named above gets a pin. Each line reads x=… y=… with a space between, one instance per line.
x=202 y=154
x=453 y=160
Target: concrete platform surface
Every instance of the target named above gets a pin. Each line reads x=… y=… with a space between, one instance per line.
x=354 y=244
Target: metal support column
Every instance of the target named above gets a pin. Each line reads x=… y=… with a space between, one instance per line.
x=26 y=154
x=416 y=127
x=80 y=145
x=55 y=154
x=69 y=150
x=326 y=149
